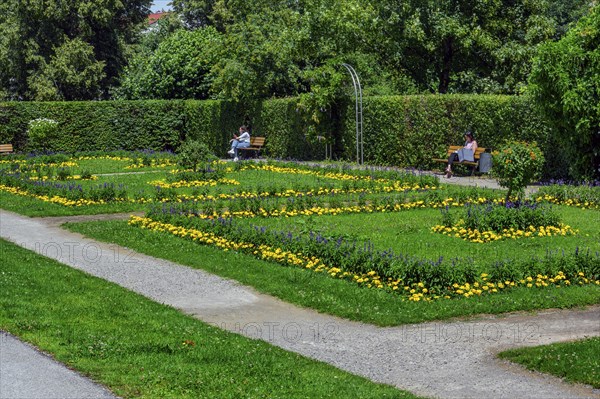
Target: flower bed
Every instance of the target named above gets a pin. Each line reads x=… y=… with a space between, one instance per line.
x=415 y=279
x=486 y=222
x=201 y=205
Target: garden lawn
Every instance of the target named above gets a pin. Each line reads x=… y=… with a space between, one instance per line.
x=141 y=183
x=409 y=232
x=139 y=348
x=329 y=295
x=577 y=361
x=36 y=208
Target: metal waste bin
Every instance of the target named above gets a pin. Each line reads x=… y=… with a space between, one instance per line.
x=485 y=162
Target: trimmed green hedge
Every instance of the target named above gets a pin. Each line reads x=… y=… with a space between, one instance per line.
x=398 y=130
x=99 y=125
x=411 y=130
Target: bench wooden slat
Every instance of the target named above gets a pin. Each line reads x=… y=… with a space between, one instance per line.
x=454 y=148
x=6 y=148
x=256 y=144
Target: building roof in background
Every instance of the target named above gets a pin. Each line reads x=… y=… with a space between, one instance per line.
x=152 y=18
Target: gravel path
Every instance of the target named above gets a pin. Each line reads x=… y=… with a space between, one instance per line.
x=28 y=373
x=440 y=359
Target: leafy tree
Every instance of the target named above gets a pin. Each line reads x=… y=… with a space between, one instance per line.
x=566 y=13
x=465 y=45
x=262 y=57
x=157 y=33
x=33 y=31
x=280 y=50
x=195 y=13
x=72 y=73
x=179 y=68
x=565 y=82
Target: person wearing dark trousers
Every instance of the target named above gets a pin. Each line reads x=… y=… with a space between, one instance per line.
x=467 y=152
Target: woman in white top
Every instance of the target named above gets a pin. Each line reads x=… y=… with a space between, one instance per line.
x=470 y=144
x=241 y=141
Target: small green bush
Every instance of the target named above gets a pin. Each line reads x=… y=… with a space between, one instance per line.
x=63 y=174
x=42 y=134
x=516 y=215
x=193 y=153
x=516 y=165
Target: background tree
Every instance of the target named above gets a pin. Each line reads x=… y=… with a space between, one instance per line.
x=72 y=73
x=566 y=13
x=33 y=31
x=179 y=68
x=565 y=83
x=466 y=45
x=194 y=13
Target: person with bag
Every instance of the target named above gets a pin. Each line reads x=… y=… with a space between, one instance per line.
x=467 y=153
x=241 y=141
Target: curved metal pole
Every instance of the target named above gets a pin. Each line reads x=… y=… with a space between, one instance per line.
x=358 y=112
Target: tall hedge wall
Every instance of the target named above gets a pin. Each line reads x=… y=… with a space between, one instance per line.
x=99 y=125
x=410 y=130
x=398 y=130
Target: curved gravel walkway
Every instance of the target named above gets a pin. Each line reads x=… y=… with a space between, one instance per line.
x=27 y=373
x=440 y=359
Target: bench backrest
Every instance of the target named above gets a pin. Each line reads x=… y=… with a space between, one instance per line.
x=6 y=148
x=478 y=151
x=257 y=141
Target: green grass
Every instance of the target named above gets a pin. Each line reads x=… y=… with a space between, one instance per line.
x=409 y=232
x=577 y=361
x=36 y=208
x=326 y=294
x=136 y=182
x=139 y=348
x=406 y=232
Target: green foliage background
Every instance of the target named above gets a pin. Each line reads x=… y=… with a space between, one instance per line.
x=410 y=130
x=565 y=83
x=398 y=130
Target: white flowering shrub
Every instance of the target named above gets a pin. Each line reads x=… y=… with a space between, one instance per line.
x=42 y=134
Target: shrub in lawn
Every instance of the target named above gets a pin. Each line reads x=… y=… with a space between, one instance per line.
x=516 y=165
x=42 y=133
x=63 y=173
x=518 y=215
x=193 y=153
x=165 y=194
x=207 y=171
x=107 y=192
x=86 y=174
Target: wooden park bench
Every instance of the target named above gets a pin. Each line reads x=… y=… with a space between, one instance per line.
x=6 y=149
x=256 y=144
x=454 y=148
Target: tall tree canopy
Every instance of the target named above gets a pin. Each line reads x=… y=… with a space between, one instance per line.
x=271 y=48
x=276 y=48
x=65 y=50
x=179 y=67
x=565 y=81
x=465 y=45
x=475 y=46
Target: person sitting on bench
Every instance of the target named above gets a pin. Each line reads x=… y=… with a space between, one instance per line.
x=241 y=141
x=467 y=153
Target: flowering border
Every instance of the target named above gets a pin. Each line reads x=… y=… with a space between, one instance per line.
x=193 y=183
x=414 y=292
x=481 y=237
